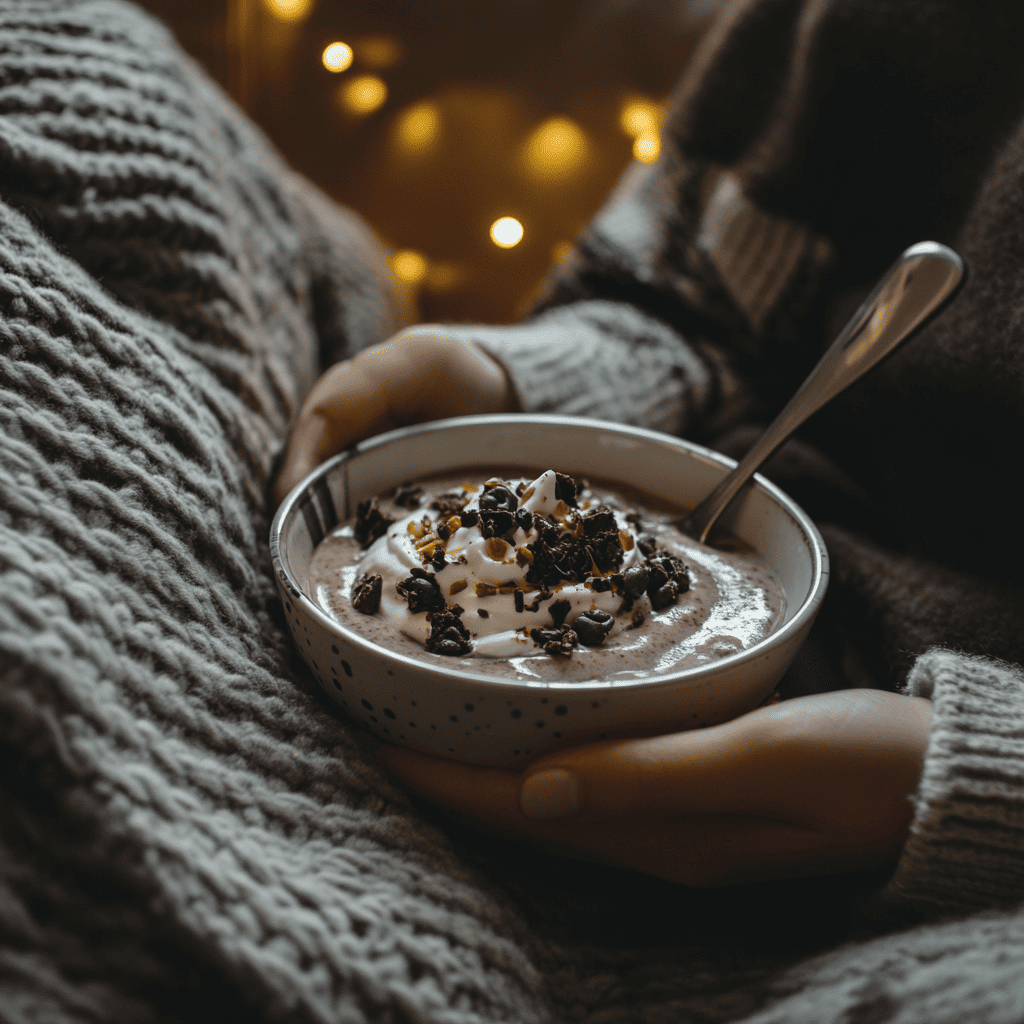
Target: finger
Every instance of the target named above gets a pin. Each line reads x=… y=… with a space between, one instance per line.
x=702 y=850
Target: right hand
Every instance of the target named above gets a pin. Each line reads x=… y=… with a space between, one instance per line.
x=422 y=373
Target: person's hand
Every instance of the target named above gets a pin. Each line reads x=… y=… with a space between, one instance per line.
x=423 y=373
x=813 y=785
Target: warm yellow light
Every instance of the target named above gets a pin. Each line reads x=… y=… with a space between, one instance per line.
x=363 y=95
x=337 y=57
x=409 y=266
x=556 y=149
x=646 y=148
x=288 y=10
x=506 y=232
x=640 y=117
x=379 y=52
x=418 y=127
x=561 y=252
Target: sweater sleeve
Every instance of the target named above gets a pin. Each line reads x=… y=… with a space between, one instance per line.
x=724 y=267
x=965 y=850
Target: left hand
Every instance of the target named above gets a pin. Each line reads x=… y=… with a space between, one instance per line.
x=809 y=786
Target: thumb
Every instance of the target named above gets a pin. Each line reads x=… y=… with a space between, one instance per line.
x=707 y=771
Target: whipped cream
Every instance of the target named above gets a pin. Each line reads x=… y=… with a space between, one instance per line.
x=493 y=579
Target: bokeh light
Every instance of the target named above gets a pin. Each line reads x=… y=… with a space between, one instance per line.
x=506 y=232
x=289 y=10
x=409 y=266
x=642 y=119
x=337 y=57
x=556 y=150
x=418 y=127
x=646 y=148
x=363 y=95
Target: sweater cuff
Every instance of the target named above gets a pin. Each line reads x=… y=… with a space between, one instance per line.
x=601 y=359
x=966 y=847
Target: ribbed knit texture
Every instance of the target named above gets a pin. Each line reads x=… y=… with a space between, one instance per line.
x=186 y=832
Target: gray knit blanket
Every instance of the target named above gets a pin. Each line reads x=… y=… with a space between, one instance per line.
x=187 y=833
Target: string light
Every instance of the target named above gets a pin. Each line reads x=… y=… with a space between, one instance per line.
x=646 y=148
x=409 y=266
x=556 y=149
x=337 y=57
x=506 y=232
x=642 y=119
x=363 y=95
x=418 y=127
x=289 y=10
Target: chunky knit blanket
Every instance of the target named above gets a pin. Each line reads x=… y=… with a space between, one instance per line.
x=186 y=831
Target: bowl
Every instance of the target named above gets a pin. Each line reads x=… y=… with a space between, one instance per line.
x=464 y=715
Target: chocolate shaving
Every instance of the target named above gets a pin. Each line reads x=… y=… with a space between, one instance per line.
x=558 y=641
x=519 y=602
x=408 y=496
x=370 y=522
x=559 y=609
x=450 y=503
x=366 y=593
x=422 y=592
x=593 y=626
x=565 y=489
x=447 y=633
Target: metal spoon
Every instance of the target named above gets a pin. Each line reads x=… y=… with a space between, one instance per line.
x=917 y=285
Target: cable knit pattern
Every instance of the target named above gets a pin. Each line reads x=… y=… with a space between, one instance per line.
x=186 y=832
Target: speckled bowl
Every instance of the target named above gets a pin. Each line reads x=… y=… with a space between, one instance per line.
x=476 y=718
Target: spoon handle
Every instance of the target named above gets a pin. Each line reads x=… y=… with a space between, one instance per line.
x=916 y=286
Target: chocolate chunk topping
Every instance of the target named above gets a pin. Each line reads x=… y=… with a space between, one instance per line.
x=498 y=499
x=438 y=561
x=366 y=593
x=647 y=543
x=450 y=503
x=565 y=489
x=524 y=520
x=592 y=627
x=483 y=613
x=496 y=523
x=559 y=610
x=447 y=633
x=667 y=579
x=470 y=517
x=408 y=496
x=518 y=598
x=601 y=536
x=559 y=641
x=370 y=522
x=600 y=584
x=635 y=580
x=422 y=592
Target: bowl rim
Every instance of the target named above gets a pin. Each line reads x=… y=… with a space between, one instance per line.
x=807 y=610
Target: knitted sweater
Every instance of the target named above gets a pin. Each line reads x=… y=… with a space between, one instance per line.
x=186 y=831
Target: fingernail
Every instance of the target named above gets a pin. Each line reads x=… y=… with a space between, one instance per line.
x=551 y=794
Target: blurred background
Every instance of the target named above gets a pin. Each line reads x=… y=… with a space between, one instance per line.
x=477 y=138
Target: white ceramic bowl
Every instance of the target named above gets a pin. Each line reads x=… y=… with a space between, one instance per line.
x=471 y=717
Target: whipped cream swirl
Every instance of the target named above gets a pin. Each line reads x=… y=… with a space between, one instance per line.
x=493 y=579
